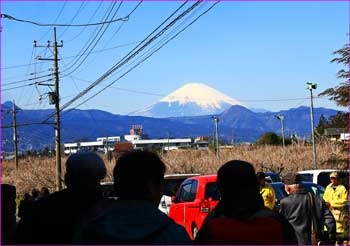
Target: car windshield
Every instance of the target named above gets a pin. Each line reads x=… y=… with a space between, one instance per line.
x=172 y=185
x=211 y=191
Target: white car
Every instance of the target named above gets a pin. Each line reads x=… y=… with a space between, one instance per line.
x=321 y=177
x=171 y=184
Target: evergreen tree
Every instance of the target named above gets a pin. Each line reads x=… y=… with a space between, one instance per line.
x=340 y=93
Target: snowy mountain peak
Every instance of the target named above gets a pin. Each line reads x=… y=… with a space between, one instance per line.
x=192 y=99
x=200 y=94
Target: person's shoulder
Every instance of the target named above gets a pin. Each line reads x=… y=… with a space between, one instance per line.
x=287 y=199
x=341 y=187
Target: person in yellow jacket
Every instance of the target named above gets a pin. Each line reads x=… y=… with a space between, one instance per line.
x=336 y=198
x=266 y=191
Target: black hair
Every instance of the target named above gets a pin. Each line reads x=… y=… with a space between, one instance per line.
x=260 y=175
x=238 y=185
x=134 y=172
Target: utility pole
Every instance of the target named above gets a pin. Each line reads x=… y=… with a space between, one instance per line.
x=168 y=141
x=216 y=122
x=15 y=140
x=233 y=139
x=281 y=118
x=107 y=146
x=310 y=87
x=55 y=99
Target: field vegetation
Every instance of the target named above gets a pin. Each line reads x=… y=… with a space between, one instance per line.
x=37 y=172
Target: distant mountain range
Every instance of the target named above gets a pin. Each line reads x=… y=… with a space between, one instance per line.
x=241 y=122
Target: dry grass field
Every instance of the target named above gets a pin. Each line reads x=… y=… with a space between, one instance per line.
x=35 y=172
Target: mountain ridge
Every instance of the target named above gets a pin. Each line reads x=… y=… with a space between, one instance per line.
x=90 y=124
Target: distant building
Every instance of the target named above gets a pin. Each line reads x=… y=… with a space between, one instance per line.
x=334 y=134
x=165 y=144
x=201 y=143
x=102 y=144
x=136 y=130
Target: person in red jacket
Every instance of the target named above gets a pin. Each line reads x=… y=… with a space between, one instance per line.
x=240 y=217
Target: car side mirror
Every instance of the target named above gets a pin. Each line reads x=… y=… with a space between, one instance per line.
x=173 y=199
x=210 y=199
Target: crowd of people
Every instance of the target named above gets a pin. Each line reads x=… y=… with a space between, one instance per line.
x=79 y=214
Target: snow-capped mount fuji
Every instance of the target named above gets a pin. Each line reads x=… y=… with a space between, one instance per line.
x=193 y=99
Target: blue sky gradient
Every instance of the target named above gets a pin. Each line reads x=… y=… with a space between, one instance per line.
x=247 y=50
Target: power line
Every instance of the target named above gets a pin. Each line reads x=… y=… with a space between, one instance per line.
x=126 y=18
x=176 y=19
x=92 y=38
x=26 y=85
x=133 y=53
x=58 y=16
x=26 y=80
x=81 y=7
x=72 y=56
x=96 y=42
x=82 y=30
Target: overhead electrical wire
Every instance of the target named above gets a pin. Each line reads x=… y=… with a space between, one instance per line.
x=204 y=99
x=81 y=7
x=26 y=85
x=26 y=80
x=126 y=18
x=82 y=30
x=170 y=24
x=136 y=51
x=69 y=57
x=58 y=16
x=91 y=39
x=96 y=42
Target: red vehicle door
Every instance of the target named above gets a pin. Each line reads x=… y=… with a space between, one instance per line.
x=182 y=207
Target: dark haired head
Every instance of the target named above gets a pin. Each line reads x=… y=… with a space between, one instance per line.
x=239 y=189
x=292 y=178
x=84 y=171
x=139 y=175
x=260 y=175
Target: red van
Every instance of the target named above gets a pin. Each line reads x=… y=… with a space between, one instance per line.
x=195 y=198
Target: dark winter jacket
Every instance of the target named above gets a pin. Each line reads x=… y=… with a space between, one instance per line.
x=130 y=222
x=53 y=220
x=302 y=209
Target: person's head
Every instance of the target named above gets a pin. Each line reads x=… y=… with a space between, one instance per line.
x=292 y=182
x=27 y=197
x=139 y=175
x=334 y=178
x=239 y=189
x=35 y=193
x=84 y=171
x=261 y=178
x=44 y=192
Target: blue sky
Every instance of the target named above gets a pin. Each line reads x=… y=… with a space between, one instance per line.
x=248 y=50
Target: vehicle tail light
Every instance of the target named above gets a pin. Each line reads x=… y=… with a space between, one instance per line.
x=205 y=206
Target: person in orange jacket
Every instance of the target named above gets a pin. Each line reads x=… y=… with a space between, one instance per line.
x=336 y=198
x=266 y=191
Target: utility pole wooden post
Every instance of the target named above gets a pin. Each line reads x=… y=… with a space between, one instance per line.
x=15 y=140
x=54 y=98
x=281 y=119
x=57 y=118
x=216 y=121
x=310 y=87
